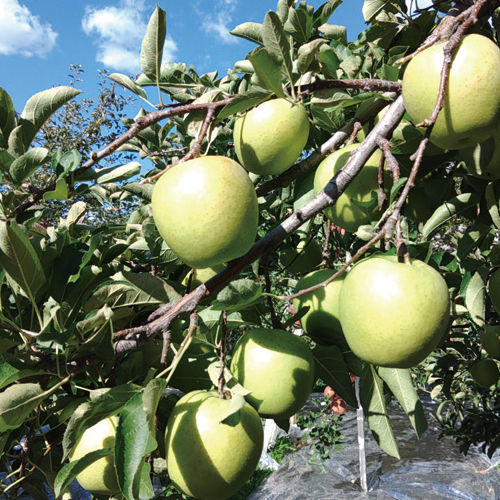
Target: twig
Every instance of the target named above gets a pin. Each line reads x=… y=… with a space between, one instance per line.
x=221 y=380
x=167 y=336
x=365 y=84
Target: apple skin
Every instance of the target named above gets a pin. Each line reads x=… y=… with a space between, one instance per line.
x=302 y=259
x=208 y=459
x=393 y=314
x=99 y=477
x=483 y=160
x=494 y=290
x=321 y=322
x=485 y=372
x=206 y=210
x=472 y=104
x=490 y=338
x=345 y=213
x=271 y=136
x=277 y=367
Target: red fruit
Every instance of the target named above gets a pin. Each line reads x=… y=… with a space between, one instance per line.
x=338 y=406
x=329 y=392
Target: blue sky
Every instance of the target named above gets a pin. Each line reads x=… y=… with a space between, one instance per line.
x=39 y=39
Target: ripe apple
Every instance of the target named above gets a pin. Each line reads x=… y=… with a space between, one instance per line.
x=100 y=476
x=302 y=259
x=346 y=213
x=393 y=314
x=494 y=290
x=483 y=160
x=277 y=367
x=321 y=322
x=207 y=458
x=472 y=103
x=485 y=372
x=490 y=338
x=206 y=210
x=271 y=136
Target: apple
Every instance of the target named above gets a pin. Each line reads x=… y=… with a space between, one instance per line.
x=100 y=476
x=393 y=314
x=485 y=372
x=363 y=188
x=206 y=210
x=494 y=290
x=277 y=367
x=302 y=259
x=490 y=338
x=472 y=103
x=207 y=458
x=201 y=275
x=321 y=322
x=337 y=404
x=483 y=160
x=271 y=136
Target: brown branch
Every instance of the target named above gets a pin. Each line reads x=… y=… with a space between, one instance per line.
x=167 y=336
x=364 y=84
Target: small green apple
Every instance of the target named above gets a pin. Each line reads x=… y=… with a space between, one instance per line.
x=321 y=322
x=393 y=314
x=472 y=103
x=100 y=476
x=202 y=275
x=348 y=211
x=302 y=259
x=485 y=372
x=490 y=338
x=206 y=210
x=483 y=160
x=494 y=290
x=208 y=458
x=270 y=137
x=277 y=367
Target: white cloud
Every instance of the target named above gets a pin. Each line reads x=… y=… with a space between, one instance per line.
x=118 y=32
x=22 y=33
x=219 y=21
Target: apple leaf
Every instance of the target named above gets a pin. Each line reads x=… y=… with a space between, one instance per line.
x=115 y=174
x=239 y=294
x=332 y=369
x=472 y=239
x=144 y=191
x=283 y=423
x=128 y=83
x=268 y=70
x=7 y=113
x=10 y=373
x=133 y=442
x=401 y=385
x=237 y=403
x=65 y=163
x=60 y=193
x=475 y=296
x=307 y=53
x=298 y=25
x=22 y=167
x=373 y=402
x=250 y=31
x=334 y=32
x=152 y=45
x=492 y=204
x=16 y=403
x=68 y=472
x=371 y=8
x=324 y=12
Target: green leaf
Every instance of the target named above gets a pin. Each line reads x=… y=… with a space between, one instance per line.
x=373 y=7
x=276 y=43
x=324 y=12
x=152 y=45
x=448 y=210
x=128 y=83
x=20 y=260
x=144 y=191
x=22 y=167
x=249 y=31
x=307 y=53
x=7 y=113
x=6 y=160
x=10 y=374
x=373 y=402
x=492 y=204
x=40 y=107
x=401 y=385
x=282 y=9
x=66 y=163
x=21 y=135
x=332 y=369
x=296 y=25
x=68 y=472
x=475 y=296
x=132 y=443
x=236 y=389
x=239 y=294
x=60 y=193
x=472 y=239
x=151 y=398
x=16 y=403
x=334 y=32
x=242 y=102
x=268 y=70
x=115 y=174
x=237 y=403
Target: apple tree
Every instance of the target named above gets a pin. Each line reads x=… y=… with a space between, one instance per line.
x=344 y=191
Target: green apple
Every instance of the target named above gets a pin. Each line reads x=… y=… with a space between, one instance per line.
x=393 y=314
x=100 y=476
x=321 y=322
x=208 y=458
x=472 y=103
x=271 y=136
x=277 y=367
x=485 y=372
x=350 y=210
x=202 y=275
x=490 y=338
x=302 y=259
x=483 y=160
x=494 y=290
x=206 y=210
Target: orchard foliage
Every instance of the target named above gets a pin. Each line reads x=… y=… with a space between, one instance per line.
x=98 y=317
